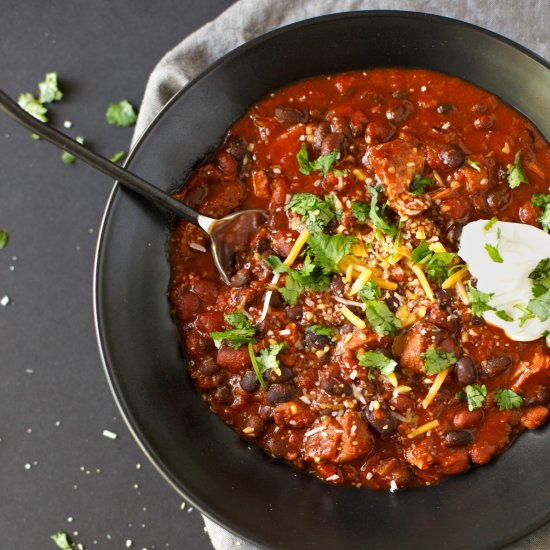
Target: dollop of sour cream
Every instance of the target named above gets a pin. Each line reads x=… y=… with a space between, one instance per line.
x=521 y=247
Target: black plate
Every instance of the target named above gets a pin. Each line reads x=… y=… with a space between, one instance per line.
x=261 y=499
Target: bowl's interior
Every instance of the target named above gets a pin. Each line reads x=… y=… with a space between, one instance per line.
x=264 y=500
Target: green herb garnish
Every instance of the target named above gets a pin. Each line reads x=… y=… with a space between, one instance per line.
x=507 y=399
x=329 y=250
x=479 y=301
x=501 y=314
x=62 y=541
x=435 y=360
x=543 y=201
x=118 y=156
x=494 y=254
x=321 y=330
x=490 y=224
x=377 y=215
x=242 y=332
x=316 y=213
x=419 y=184
x=370 y=291
x=69 y=158
x=375 y=360
x=29 y=103
x=256 y=367
x=516 y=175
x=267 y=360
x=121 y=114
x=475 y=165
x=322 y=164
x=4 y=237
x=475 y=396
x=539 y=305
x=49 y=90
x=381 y=319
x=437 y=265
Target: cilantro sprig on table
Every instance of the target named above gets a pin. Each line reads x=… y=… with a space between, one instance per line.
x=436 y=360
x=437 y=265
x=61 y=539
x=516 y=175
x=242 y=332
x=121 y=114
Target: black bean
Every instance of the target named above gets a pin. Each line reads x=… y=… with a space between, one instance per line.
x=445 y=108
x=334 y=386
x=223 y=395
x=541 y=396
x=384 y=351
x=380 y=420
x=465 y=371
x=496 y=364
x=312 y=340
x=484 y=122
x=289 y=115
x=452 y=156
x=337 y=285
x=477 y=321
x=399 y=113
x=249 y=382
x=393 y=303
x=498 y=198
x=294 y=312
x=459 y=438
x=276 y=299
x=453 y=233
x=479 y=108
x=241 y=278
x=279 y=393
x=380 y=131
x=443 y=297
x=209 y=367
x=285 y=376
x=236 y=147
x=262 y=245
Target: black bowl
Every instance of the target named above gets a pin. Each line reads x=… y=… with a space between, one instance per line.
x=261 y=499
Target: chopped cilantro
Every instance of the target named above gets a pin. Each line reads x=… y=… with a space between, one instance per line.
x=242 y=332
x=69 y=158
x=516 y=175
x=321 y=330
x=4 y=237
x=375 y=360
x=316 y=213
x=437 y=265
x=29 y=103
x=256 y=367
x=547 y=338
x=329 y=250
x=322 y=164
x=337 y=211
x=507 y=399
x=370 y=291
x=475 y=396
x=435 y=360
x=381 y=319
x=360 y=210
x=118 y=156
x=543 y=201
x=49 y=90
x=62 y=541
x=121 y=114
x=421 y=252
x=479 y=301
x=501 y=314
x=267 y=360
x=419 y=184
x=490 y=224
x=539 y=305
x=494 y=254
x=377 y=215
x=526 y=314
x=474 y=165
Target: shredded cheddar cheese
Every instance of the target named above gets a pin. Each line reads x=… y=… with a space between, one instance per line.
x=360 y=281
x=353 y=319
x=423 y=429
x=349 y=273
x=393 y=379
x=297 y=247
x=386 y=285
x=437 y=247
x=437 y=383
x=417 y=270
x=462 y=294
x=454 y=278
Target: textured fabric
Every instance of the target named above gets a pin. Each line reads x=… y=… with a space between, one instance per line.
x=525 y=22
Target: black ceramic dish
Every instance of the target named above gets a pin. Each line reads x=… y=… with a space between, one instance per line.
x=261 y=499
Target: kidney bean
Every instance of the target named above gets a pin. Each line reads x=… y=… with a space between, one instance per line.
x=249 y=382
x=402 y=403
x=294 y=312
x=187 y=305
x=479 y=108
x=333 y=142
x=399 y=113
x=465 y=371
x=279 y=393
x=541 y=396
x=380 y=420
x=528 y=213
x=380 y=132
x=496 y=364
x=452 y=156
x=313 y=340
x=234 y=360
x=335 y=387
x=458 y=438
x=276 y=299
x=477 y=321
x=289 y=115
x=467 y=419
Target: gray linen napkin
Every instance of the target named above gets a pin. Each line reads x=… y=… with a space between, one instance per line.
x=524 y=22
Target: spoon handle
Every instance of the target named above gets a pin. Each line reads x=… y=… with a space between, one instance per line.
x=125 y=177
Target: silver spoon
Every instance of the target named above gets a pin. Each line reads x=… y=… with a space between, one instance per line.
x=224 y=247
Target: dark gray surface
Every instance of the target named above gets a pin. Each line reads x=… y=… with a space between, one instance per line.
x=103 y=52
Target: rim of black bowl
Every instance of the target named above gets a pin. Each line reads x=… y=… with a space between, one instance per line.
x=110 y=372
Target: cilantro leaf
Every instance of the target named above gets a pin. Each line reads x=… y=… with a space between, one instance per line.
x=543 y=201
x=501 y=314
x=436 y=264
x=316 y=213
x=329 y=250
x=507 y=399
x=4 y=237
x=474 y=165
x=267 y=360
x=494 y=254
x=49 y=90
x=540 y=306
x=321 y=330
x=479 y=301
x=541 y=277
x=475 y=396
x=435 y=360
x=490 y=224
x=526 y=314
x=322 y=164
x=419 y=184
x=29 y=103
x=421 y=253
x=377 y=215
x=69 y=158
x=242 y=332
x=547 y=337
x=62 y=541
x=370 y=291
x=118 y=156
x=360 y=210
x=381 y=319
x=376 y=360
x=121 y=114
x=256 y=367
x=516 y=175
